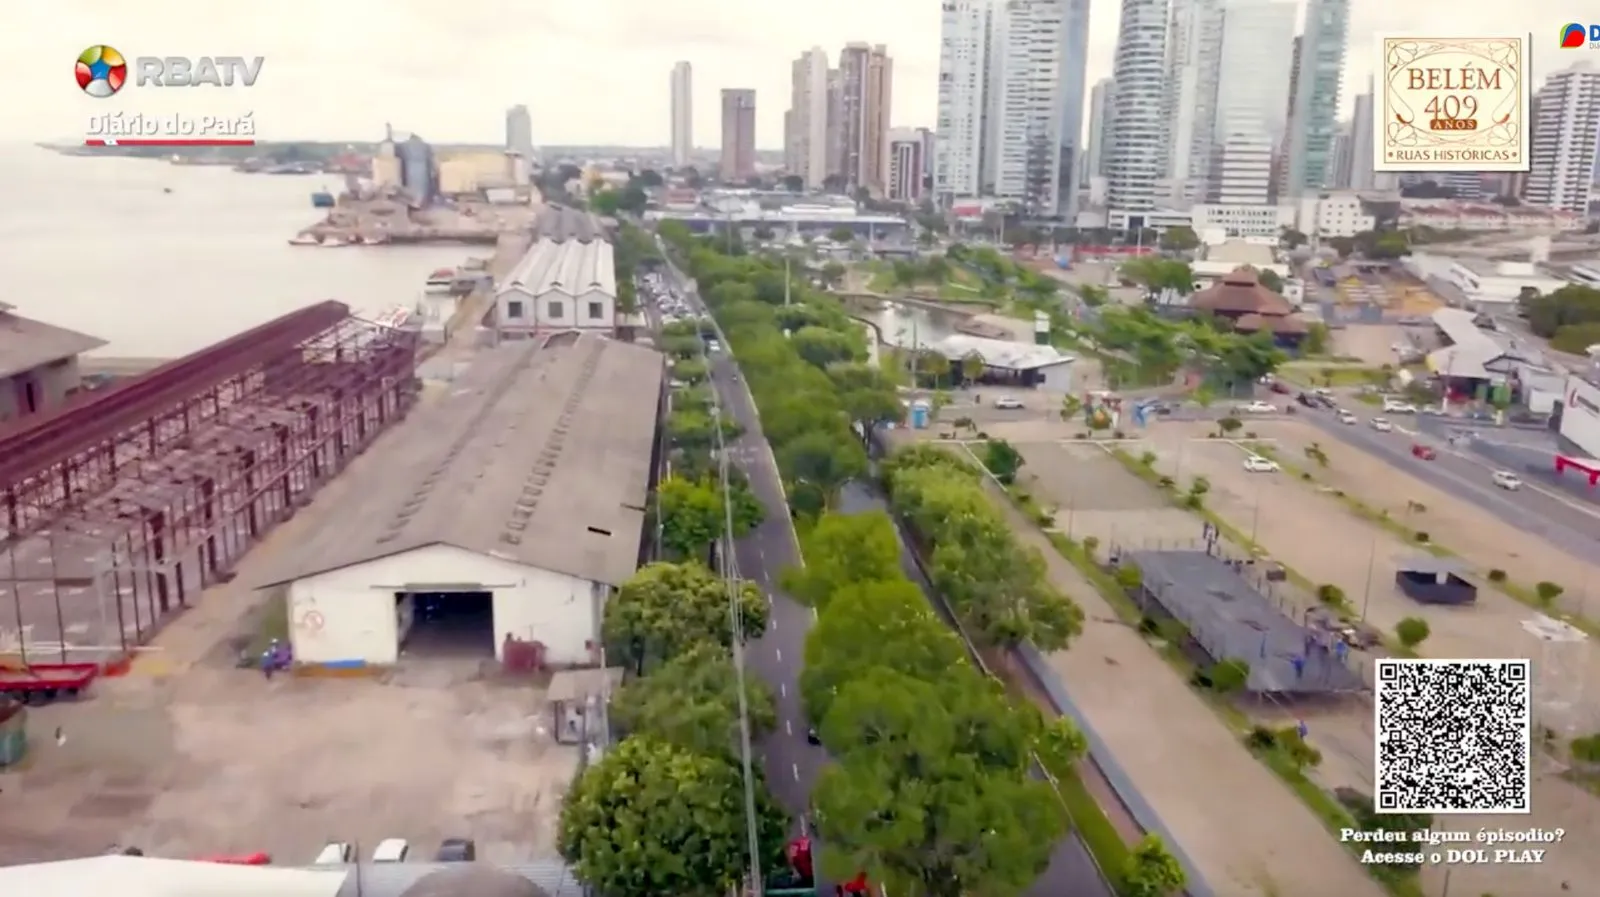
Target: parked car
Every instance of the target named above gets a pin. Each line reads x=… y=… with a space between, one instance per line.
x=1393 y=406
x=1279 y=387
x=391 y=850
x=1507 y=480
x=1007 y=403
x=1426 y=453
x=1382 y=425
x=456 y=850
x=1258 y=464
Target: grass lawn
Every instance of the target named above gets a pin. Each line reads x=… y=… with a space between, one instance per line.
x=1309 y=375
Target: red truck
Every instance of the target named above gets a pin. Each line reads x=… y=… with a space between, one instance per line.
x=41 y=683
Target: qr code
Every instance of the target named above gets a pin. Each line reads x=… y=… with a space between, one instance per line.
x=1453 y=736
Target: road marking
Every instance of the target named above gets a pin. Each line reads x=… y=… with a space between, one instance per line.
x=783 y=690
x=796 y=768
x=779 y=652
x=788 y=727
x=772 y=621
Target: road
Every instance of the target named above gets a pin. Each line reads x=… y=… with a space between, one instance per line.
x=792 y=764
x=1533 y=509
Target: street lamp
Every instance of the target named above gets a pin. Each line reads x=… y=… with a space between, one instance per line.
x=1372 y=563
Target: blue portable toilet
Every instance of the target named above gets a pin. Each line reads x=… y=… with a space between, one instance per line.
x=920 y=412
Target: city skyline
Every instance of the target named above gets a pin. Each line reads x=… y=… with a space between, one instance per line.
x=319 y=81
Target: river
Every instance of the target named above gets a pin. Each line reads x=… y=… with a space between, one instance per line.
x=98 y=245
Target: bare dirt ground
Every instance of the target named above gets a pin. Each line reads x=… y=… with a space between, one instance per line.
x=1186 y=763
x=1314 y=534
x=1483 y=539
x=186 y=756
x=1369 y=342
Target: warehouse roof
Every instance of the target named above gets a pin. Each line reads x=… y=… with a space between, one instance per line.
x=569 y=267
x=540 y=455
x=135 y=876
x=560 y=223
x=26 y=344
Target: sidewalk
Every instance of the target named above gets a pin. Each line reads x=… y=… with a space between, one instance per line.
x=1241 y=826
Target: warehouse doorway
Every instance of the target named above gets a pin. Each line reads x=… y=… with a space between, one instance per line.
x=446 y=624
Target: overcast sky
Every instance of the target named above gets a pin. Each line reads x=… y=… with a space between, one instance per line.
x=592 y=72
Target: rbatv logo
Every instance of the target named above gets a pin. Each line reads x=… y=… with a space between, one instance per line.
x=1574 y=36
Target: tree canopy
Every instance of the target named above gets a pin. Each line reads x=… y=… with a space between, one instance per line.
x=652 y=818
x=1569 y=317
x=667 y=609
x=691 y=701
x=845 y=550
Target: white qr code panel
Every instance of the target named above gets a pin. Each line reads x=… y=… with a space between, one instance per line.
x=1453 y=736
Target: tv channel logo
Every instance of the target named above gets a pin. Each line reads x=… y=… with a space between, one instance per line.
x=1575 y=36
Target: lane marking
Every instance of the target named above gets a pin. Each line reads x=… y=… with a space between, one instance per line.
x=796 y=768
x=783 y=690
x=779 y=652
x=788 y=727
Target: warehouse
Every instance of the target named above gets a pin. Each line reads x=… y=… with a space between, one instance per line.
x=566 y=280
x=503 y=514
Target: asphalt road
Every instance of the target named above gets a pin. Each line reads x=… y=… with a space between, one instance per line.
x=1461 y=472
x=791 y=763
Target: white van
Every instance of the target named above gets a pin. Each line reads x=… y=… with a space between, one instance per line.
x=334 y=853
x=391 y=850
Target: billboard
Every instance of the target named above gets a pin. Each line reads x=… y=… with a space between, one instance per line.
x=1580 y=416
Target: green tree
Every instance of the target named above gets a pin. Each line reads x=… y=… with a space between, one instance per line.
x=841 y=550
x=1180 y=239
x=1568 y=306
x=1229 y=424
x=1060 y=745
x=1270 y=279
x=691 y=517
x=692 y=701
x=819 y=458
x=625 y=823
x=841 y=234
x=1547 y=592
x=691 y=429
x=1292 y=239
x=821 y=347
x=867 y=395
x=666 y=609
x=1318 y=339
x=869 y=624
x=689 y=370
x=932 y=786
x=1002 y=459
x=1150 y=871
x=972 y=367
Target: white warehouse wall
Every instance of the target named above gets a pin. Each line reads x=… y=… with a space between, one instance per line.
x=356 y=606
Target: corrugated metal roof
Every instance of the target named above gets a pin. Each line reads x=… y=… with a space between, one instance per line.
x=541 y=456
x=393 y=879
x=570 y=268
x=26 y=344
x=135 y=876
x=1000 y=353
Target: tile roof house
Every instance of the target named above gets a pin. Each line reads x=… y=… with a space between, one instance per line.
x=1240 y=297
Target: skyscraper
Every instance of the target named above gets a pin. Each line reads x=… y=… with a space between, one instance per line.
x=1097 y=139
x=1316 y=109
x=806 y=144
x=519 y=132
x=862 y=133
x=1252 y=95
x=1042 y=47
x=1565 y=128
x=738 y=162
x=1139 y=133
x=1280 y=164
x=1361 y=142
x=963 y=111
x=682 y=114
x=1194 y=57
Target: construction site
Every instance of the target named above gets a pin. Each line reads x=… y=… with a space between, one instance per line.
x=119 y=509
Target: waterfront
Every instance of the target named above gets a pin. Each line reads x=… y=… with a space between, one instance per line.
x=98 y=245
x=907 y=326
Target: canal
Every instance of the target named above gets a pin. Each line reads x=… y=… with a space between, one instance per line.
x=907 y=326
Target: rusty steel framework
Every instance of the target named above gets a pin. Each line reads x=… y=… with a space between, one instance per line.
x=117 y=510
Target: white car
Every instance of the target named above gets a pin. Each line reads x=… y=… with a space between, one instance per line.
x=1007 y=403
x=1346 y=417
x=1382 y=425
x=1507 y=480
x=1390 y=406
x=334 y=853
x=391 y=850
x=1258 y=464
x=1258 y=407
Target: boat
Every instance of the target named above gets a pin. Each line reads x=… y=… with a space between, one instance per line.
x=323 y=199
x=441 y=281
x=305 y=240
x=166 y=189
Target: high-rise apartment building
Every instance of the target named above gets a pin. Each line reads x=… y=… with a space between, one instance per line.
x=1137 y=162
x=1194 y=53
x=906 y=149
x=1038 y=102
x=1361 y=142
x=682 y=114
x=1316 y=108
x=865 y=80
x=963 y=116
x=1252 y=96
x=738 y=162
x=806 y=123
x=1280 y=164
x=519 y=132
x=1339 y=171
x=1565 y=128
x=1097 y=134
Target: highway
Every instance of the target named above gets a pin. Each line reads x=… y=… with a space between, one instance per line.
x=1534 y=508
x=792 y=764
